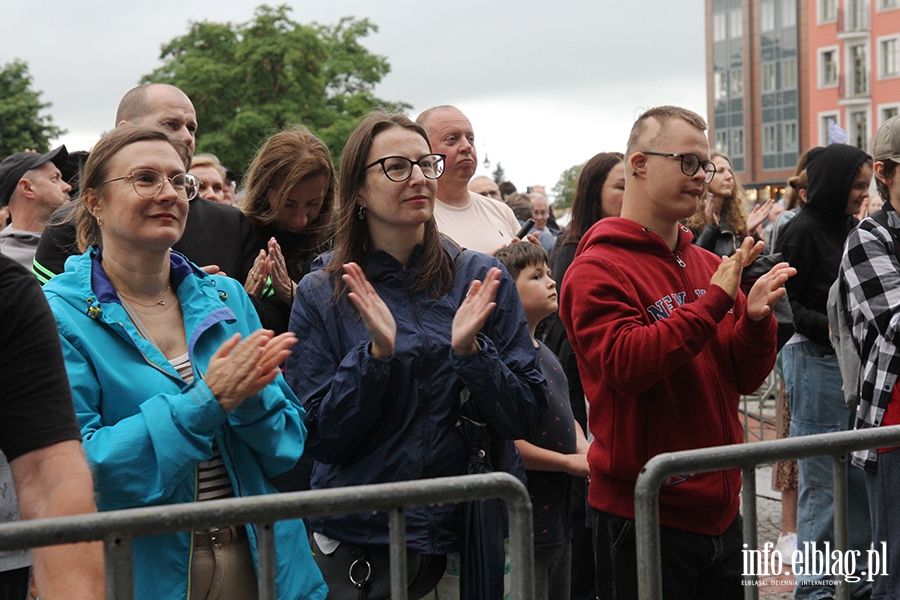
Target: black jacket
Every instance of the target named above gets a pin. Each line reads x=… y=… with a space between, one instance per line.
x=813 y=241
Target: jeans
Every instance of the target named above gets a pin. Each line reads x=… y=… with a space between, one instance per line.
x=694 y=566
x=813 y=383
x=882 y=485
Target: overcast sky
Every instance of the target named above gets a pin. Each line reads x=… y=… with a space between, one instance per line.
x=545 y=87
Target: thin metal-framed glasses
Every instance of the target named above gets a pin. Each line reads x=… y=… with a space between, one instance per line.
x=399 y=168
x=690 y=164
x=148 y=183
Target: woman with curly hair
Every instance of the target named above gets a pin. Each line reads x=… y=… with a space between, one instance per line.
x=721 y=223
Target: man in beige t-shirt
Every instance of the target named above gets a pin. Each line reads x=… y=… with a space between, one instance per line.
x=471 y=220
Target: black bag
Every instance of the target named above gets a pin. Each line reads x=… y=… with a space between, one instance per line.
x=481 y=551
x=364 y=572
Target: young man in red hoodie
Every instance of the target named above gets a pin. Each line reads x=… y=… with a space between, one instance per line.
x=665 y=343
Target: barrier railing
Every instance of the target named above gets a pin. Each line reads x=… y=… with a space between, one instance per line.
x=118 y=528
x=745 y=457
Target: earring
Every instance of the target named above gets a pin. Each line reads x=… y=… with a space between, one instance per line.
x=361 y=213
x=99 y=222
x=634 y=173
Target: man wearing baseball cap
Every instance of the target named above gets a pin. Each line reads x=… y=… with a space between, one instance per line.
x=32 y=185
x=870 y=284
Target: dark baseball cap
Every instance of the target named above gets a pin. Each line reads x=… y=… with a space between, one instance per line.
x=14 y=167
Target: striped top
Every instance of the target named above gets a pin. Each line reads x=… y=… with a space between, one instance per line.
x=212 y=478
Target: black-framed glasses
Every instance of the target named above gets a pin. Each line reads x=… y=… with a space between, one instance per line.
x=399 y=168
x=147 y=183
x=690 y=164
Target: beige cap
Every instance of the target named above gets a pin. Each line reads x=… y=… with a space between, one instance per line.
x=887 y=141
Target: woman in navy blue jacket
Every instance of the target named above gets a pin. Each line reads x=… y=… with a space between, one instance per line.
x=391 y=327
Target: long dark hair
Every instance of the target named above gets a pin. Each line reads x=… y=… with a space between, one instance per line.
x=587 y=206
x=352 y=241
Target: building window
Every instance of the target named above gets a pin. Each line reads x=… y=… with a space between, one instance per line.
x=859 y=71
x=888 y=112
x=736 y=78
x=788 y=13
x=859 y=129
x=888 y=4
x=889 y=57
x=827 y=11
x=720 y=85
x=770 y=139
x=722 y=141
x=767 y=15
x=735 y=24
x=791 y=137
x=737 y=142
x=856 y=16
x=828 y=67
x=768 y=77
x=789 y=74
x=719 y=29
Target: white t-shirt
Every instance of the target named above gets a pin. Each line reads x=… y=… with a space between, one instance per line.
x=482 y=225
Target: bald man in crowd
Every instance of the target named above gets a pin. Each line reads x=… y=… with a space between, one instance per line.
x=471 y=220
x=216 y=236
x=486 y=186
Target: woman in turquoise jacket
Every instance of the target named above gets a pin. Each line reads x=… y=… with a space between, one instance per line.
x=176 y=386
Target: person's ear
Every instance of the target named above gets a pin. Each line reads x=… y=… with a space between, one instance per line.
x=637 y=163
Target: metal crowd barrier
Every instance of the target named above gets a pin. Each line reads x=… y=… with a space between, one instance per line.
x=745 y=457
x=118 y=528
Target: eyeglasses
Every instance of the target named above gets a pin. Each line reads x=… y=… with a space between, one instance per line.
x=690 y=164
x=399 y=168
x=148 y=183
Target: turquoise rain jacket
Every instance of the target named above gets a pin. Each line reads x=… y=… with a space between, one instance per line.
x=145 y=429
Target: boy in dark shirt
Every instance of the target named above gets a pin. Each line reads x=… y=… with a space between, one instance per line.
x=558 y=449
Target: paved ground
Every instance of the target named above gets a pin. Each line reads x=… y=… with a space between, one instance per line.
x=760 y=424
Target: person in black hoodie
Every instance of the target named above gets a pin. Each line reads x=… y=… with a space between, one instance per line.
x=812 y=242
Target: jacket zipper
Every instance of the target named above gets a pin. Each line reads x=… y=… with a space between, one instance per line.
x=678 y=259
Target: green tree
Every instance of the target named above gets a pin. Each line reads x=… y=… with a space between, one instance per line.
x=22 y=126
x=247 y=81
x=564 y=190
x=499 y=174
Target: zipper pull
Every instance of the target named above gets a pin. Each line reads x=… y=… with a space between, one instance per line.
x=678 y=258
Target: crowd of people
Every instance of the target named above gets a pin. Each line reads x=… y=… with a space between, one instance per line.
x=317 y=328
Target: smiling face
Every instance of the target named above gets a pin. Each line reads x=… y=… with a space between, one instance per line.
x=397 y=208
x=131 y=221
x=302 y=205
x=859 y=191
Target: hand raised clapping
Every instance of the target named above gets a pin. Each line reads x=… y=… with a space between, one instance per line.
x=473 y=313
x=374 y=312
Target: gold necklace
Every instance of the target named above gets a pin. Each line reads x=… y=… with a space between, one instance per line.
x=159 y=302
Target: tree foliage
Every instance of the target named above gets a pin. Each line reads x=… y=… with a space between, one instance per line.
x=22 y=126
x=564 y=190
x=499 y=175
x=247 y=81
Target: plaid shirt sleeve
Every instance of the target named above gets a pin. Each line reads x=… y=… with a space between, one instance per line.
x=871 y=284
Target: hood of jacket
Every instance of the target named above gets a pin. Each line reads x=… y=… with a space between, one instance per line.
x=631 y=235
x=831 y=171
